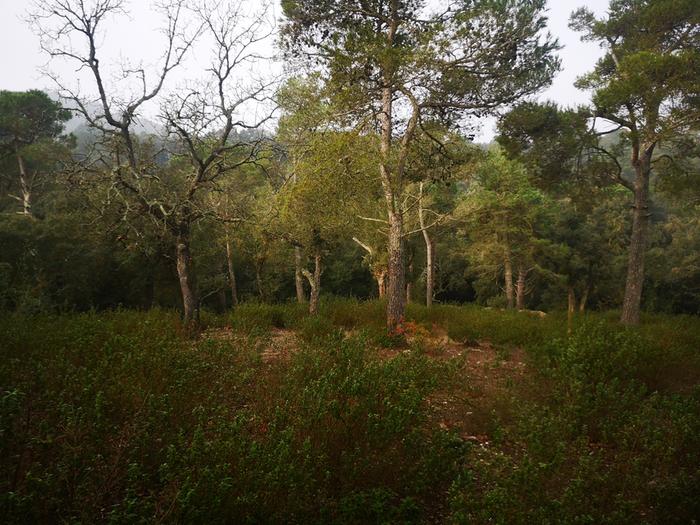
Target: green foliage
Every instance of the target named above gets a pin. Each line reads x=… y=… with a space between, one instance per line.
x=592 y=442
x=27 y=117
x=116 y=417
x=261 y=317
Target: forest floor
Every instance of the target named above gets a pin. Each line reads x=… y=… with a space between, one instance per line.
x=270 y=415
x=487 y=373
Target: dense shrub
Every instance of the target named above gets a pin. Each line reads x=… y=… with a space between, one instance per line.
x=122 y=417
x=593 y=443
x=116 y=418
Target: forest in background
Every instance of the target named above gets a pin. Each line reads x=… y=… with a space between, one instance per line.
x=315 y=299
x=202 y=205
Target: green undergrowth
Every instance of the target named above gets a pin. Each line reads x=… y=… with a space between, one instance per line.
x=123 y=417
x=118 y=418
x=597 y=439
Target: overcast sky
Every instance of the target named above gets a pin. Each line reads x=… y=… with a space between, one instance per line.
x=21 y=58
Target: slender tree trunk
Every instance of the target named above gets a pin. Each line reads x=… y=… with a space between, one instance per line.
x=185 y=272
x=584 y=299
x=429 y=270
x=631 y=305
x=315 y=284
x=571 y=296
x=520 y=289
x=231 y=273
x=508 y=275
x=429 y=249
x=380 y=277
x=25 y=186
x=258 y=278
x=298 y=277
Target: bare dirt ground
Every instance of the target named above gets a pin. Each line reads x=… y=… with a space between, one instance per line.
x=468 y=402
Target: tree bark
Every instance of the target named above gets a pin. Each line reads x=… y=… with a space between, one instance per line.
x=315 y=284
x=631 y=305
x=584 y=299
x=409 y=283
x=429 y=248
x=380 y=277
x=520 y=289
x=508 y=276
x=185 y=272
x=391 y=186
x=259 y=261
x=25 y=186
x=396 y=273
x=231 y=274
x=298 y=277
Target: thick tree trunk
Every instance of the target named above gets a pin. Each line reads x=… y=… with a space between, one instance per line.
x=520 y=289
x=508 y=276
x=392 y=186
x=185 y=272
x=395 y=291
x=315 y=284
x=429 y=249
x=631 y=305
x=298 y=276
x=25 y=187
x=231 y=273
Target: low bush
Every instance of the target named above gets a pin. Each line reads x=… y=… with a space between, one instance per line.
x=122 y=417
x=595 y=443
x=117 y=418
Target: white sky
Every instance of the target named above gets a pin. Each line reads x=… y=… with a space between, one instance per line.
x=21 y=58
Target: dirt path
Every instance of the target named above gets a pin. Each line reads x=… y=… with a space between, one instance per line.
x=278 y=344
x=481 y=383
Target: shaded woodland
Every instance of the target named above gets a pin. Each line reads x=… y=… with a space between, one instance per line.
x=327 y=300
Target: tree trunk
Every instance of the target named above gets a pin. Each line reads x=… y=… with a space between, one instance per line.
x=380 y=277
x=429 y=248
x=258 y=278
x=298 y=277
x=409 y=283
x=188 y=285
x=392 y=186
x=631 y=305
x=25 y=186
x=584 y=299
x=508 y=275
x=395 y=291
x=571 y=296
x=315 y=284
x=231 y=274
x=520 y=289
